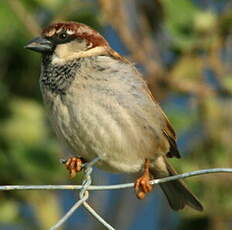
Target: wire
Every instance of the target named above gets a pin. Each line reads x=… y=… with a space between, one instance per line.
x=86 y=187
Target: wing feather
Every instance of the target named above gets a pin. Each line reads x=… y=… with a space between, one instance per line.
x=168 y=131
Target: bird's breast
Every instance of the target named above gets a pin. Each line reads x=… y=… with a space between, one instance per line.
x=96 y=117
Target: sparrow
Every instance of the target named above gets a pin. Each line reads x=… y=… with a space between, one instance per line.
x=100 y=106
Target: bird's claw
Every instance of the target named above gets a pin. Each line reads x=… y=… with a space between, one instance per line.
x=142 y=186
x=74 y=165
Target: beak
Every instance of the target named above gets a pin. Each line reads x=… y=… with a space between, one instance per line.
x=39 y=44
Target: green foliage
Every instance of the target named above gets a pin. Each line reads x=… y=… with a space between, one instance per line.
x=179 y=22
x=187 y=23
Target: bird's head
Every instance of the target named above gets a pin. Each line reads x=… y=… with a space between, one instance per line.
x=66 y=41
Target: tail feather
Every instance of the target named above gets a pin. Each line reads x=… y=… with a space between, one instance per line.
x=178 y=196
x=177 y=193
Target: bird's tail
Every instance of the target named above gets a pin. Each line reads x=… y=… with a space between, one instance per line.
x=177 y=193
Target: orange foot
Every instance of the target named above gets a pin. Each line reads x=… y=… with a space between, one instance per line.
x=142 y=184
x=74 y=165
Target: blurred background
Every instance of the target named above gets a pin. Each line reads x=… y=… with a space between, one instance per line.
x=184 y=50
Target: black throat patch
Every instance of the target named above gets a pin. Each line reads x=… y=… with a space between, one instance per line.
x=58 y=78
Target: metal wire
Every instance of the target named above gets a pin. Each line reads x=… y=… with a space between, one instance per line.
x=86 y=183
x=84 y=195
x=112 y=187
x=71 y=211
x=86 y=187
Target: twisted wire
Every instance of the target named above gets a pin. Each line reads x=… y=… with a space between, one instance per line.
x=84 y=194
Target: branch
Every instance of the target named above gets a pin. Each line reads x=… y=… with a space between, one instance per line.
x=24 y=16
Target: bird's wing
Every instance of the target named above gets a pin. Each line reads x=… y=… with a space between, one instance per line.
x=168 y=130
x=166 y=126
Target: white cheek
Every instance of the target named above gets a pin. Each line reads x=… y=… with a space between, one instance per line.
x=62 y=54
x=57 y=60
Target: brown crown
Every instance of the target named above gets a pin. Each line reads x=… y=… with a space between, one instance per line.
x=78 y=30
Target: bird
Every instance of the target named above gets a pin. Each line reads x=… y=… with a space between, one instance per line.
x=100 y=106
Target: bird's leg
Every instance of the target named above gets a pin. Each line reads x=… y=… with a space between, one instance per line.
x=142 y=184
x=74 y=165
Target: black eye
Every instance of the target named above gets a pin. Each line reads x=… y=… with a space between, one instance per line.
x=62 y=36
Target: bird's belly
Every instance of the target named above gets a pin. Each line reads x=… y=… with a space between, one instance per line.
x=112 y=133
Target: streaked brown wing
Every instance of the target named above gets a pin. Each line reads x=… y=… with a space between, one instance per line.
x=168 y=132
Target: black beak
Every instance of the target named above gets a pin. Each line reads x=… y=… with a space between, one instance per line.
x=39 y=44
